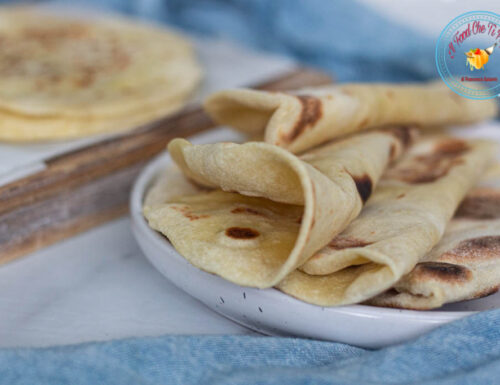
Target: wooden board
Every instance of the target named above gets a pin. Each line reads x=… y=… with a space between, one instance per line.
x=89 y=186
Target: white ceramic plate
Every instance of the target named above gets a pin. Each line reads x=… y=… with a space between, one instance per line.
x=270 y=311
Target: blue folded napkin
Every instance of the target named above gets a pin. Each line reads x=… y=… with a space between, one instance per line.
x=464 y=352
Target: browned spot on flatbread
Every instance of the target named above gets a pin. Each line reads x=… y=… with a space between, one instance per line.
x=391 y=292
x=340 y=243
x=49 y=38
x=44 y=34
x=86 y=78
x=363 y=123
x=430 y=167
x=401 y=196
x=188 y=214
x=364 y=185
x=451 y=146
x=443 y=271
x=311 y=112
x=393 y=152
x=474 y=249
x=390 y=94
x=242 y=233
x=405 y=134
x=481 y=203
x=246 y=210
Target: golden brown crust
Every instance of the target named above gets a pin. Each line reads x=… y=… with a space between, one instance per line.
x=311 y=112
x=481 y=203
x=246 y=210
x=475 y=249
x=442 y=271
x=242 y=233
x=433 y=166
x=405 y=134
x=188 y=214
x=340 y=243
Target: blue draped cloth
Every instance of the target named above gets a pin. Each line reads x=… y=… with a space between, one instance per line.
x=342 y=37
x=463 y=352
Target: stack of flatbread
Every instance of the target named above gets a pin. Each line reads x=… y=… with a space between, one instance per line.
x=344 y=201
x=65 y=78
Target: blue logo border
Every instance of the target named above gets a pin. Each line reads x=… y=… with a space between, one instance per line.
x=437 y=57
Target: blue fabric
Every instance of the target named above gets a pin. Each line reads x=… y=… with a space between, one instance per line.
x=464 y=352
x=342 y=37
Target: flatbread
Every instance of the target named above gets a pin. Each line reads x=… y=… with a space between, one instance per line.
x=298 y=121
x=19 y=128
x=405 y=217
x=72 y=71
x=465 y=264
x=275 y=210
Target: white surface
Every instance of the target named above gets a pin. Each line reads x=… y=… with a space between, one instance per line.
x=225 y=66
x=96 y=286
x=271 y=312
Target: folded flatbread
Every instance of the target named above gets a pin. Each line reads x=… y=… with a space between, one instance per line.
x=16 y=128
x=465 y=264
x=405 y=217
x=267 y=211
x=80 y=76
x=312 y=116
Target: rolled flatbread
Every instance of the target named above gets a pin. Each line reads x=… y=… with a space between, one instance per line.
x=465 y=264
x=405 y=217
x=267 y=211
x=298 y=121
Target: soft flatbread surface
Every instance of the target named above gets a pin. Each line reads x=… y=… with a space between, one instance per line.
x=465 y=264
x=260 y=211
x=308 y=117
x=73 y=73
x=403 y=220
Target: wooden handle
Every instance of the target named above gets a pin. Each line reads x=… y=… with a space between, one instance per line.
x=89 y=186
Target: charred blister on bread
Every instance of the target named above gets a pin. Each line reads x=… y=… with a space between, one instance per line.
x=474 y=249
x=442 y=271
x=311 y=112
x=242 y=233
x=481 y=203
x=340 y=243
x=428 y=168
